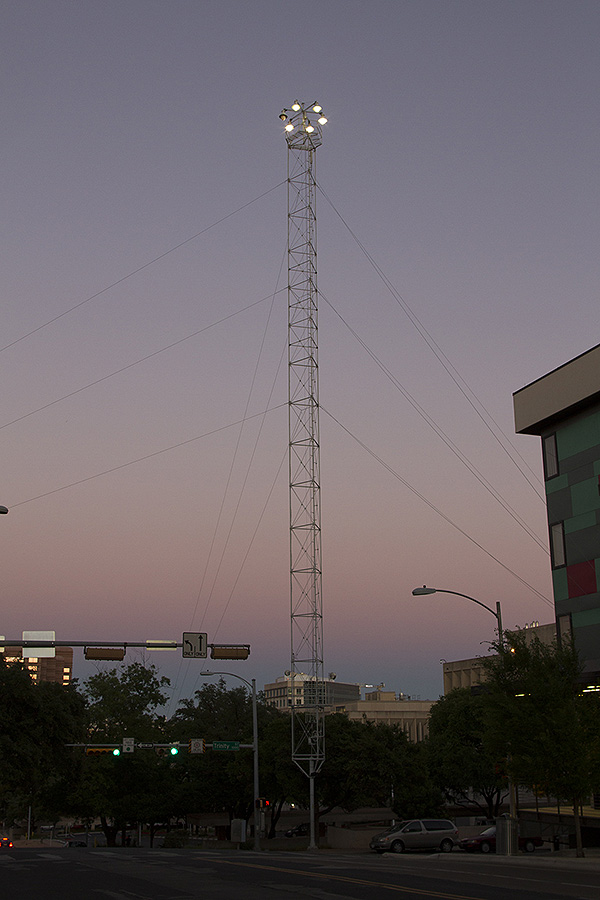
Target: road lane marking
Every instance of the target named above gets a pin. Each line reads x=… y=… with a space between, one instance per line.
x=348 y=879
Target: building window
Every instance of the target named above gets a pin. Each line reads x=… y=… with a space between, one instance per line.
x=565 y=630
x=557 y=545
x=550 y=453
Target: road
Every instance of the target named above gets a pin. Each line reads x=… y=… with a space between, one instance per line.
x=130 y=874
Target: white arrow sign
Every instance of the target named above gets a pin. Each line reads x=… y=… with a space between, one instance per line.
x=194 y=645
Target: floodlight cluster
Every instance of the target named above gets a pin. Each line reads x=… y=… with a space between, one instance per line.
x=302 y=117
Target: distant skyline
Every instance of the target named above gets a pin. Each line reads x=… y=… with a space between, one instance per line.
x=143 y=353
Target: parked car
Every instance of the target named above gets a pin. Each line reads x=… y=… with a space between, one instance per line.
x=299 y=831
x=76 y=842
x=303 y=830
x=417 y=834
x=5 y=843
x=486 y=842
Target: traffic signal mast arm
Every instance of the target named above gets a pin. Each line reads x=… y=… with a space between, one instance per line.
x=172 y=745
x=194 y=645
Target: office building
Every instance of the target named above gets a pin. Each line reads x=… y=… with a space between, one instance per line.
x=469 y=673
x=286 y=691
x=381 y=706
x=58 y=668
x=563 y=409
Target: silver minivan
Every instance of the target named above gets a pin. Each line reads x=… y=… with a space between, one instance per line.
x=417 y=834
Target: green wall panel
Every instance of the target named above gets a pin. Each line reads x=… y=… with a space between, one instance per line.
x=585 y=496
x=559 y=583
x=587 y=617
x=576 y=523
x=557 y=484
x=578 y=435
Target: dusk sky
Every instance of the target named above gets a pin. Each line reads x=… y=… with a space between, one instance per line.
x=145 y=317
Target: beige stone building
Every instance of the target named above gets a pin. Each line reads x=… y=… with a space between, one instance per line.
x=384 y=706
x=467 y=673
x=287 y=691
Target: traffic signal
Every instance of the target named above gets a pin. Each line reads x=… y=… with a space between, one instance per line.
x=262 y=803
x=167 y=750
x=100 y=751
x=221 y=651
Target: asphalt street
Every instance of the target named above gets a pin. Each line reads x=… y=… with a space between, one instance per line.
x=124 y=874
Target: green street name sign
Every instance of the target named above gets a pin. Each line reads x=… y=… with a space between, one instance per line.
x=226 y=745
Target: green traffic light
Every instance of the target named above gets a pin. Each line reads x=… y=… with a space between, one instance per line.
x=174 y=751
x=116 y=752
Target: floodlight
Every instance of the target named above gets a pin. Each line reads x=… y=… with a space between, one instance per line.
x=283 y=115
x=317 y=108
x=310 y=128
x=289 y=127
x=322 y=120
x=296 y=106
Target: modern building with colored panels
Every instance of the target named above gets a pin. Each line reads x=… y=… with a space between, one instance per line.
x=563 y=408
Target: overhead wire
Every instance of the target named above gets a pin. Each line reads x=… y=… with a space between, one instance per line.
x=467 y=392
x=137 y=362
x=229 y=479
x=139 y=269
x=474 y=402
x=147 y=456
x=432 y=506
x=460 y=455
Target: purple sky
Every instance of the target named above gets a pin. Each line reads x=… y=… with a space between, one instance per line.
x=461 y=151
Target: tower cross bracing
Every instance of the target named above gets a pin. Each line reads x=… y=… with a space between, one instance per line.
x=303 y=135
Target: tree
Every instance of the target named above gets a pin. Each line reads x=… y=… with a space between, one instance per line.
x=365 y=765
x=221 y=781
x=541 y=721
x=461 y=765
x=38 y=719
x=123 y=703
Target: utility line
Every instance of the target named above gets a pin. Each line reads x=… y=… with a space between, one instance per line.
x=138 y=361
x=243 y=487
x=140 y=268
x=440 y=433
x=433 y=507
x=449 y=368
x=133 y=462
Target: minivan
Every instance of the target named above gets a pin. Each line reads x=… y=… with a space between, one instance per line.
x=417 y=834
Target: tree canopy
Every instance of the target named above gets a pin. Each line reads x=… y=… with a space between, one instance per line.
x=37 y=721
x=463 y=766
x=541 y=721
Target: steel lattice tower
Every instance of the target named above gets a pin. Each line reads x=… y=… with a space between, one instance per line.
x=303 y=136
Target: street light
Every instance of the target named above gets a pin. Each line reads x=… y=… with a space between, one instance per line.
x=256 y=790
x=420 y=591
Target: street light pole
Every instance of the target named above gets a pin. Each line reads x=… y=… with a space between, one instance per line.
x=418 y=592
x=256 y=789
